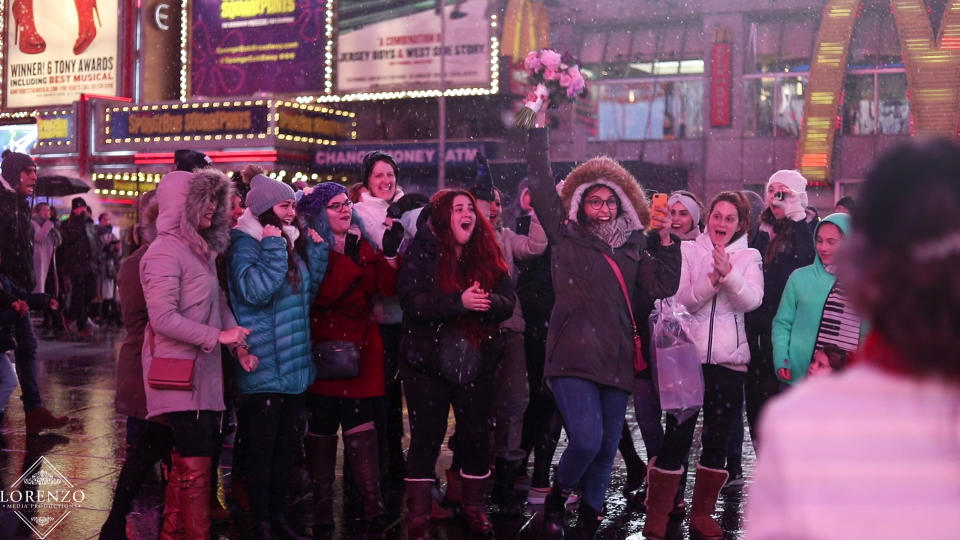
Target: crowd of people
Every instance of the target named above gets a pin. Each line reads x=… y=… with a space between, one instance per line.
x=311 y=314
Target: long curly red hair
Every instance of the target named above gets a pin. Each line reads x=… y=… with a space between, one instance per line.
x=480 y=260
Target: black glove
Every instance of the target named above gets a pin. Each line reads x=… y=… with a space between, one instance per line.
x=407 y=203
x=391 y=239
x=523 y=225
x=351 y=247
x=483 y=170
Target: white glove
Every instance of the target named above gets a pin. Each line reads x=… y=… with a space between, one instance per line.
x=792 y=206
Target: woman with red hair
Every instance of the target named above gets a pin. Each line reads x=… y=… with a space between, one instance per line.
x=454 y=289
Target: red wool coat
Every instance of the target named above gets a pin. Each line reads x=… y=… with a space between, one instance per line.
x=342 y=311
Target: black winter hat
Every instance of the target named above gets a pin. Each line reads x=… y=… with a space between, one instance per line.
x=371 y=159
x=189 y=160
x=13 y=164
x=78 y=202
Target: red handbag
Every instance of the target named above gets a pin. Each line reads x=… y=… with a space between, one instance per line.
x=169 y=373
x=639 y=363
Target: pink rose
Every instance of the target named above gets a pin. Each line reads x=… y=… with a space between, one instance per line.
x=532 y=62
x=550 y=75
x=576 y=79
x=550 y=59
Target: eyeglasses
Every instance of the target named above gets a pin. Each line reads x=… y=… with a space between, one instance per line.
x=596 y=203
x=337 y=206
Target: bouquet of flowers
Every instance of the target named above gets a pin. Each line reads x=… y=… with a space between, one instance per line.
x=557 y=78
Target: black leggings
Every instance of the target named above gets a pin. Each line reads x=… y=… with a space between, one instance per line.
x=428 y=401
x=761 y=380
x=272 y=434
x=327 y=414
x=390 y=417
x=196 y=433
x=542 y=421
x=723 y=391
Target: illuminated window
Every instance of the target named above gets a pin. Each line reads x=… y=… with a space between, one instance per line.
x=645 y=82
x=639 y=110
x=774 y=104
x=875 y=88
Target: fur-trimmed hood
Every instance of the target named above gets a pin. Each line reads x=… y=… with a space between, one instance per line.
x=606 y=171
x=182 y=196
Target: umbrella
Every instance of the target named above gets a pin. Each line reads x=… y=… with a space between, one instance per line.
x=60 y=186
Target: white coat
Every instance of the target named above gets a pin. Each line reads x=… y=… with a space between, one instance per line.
x=719 y=310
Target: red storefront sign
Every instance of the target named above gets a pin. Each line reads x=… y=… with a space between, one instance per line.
x=721 y=84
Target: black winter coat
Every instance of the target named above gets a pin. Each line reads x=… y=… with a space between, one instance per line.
x=16 y=247
x=777 y=271
x=534 y=283
x=80 y=245
x=426 y=307
x=590 y=335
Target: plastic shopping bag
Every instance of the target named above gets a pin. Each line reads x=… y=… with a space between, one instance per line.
x=676 y=368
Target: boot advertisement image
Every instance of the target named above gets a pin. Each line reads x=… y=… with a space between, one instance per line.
x=58 y=49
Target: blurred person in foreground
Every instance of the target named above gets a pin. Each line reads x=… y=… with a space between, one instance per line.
x=872 y=452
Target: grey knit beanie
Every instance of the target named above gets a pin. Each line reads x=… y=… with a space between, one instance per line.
x=265 y=192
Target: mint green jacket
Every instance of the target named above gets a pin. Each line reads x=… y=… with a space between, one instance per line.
x=797 y=322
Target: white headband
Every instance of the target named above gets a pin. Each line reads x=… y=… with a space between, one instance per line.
x=688 y=203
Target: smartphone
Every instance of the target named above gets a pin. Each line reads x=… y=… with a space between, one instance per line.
x=659 y=205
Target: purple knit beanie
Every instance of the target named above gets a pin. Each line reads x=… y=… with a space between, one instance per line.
x=315 y=202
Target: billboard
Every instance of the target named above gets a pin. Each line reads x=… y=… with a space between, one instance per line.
x=18 y=138
x=240 y=48
x=396 y=45
x=57 y=50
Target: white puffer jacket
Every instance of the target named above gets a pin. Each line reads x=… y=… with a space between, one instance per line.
x=718 y=328
x=373 y=212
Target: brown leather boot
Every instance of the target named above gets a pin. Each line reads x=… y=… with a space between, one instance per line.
x=705 y=493
x=194 y=485
x=474 y=503
x=661 y=488
x=172 y=528
x=454 y=493
x=321 y=463
x=41 y=419
x=361 y=450
x=418 y=509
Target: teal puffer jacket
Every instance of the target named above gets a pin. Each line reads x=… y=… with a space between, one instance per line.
x=277 y=314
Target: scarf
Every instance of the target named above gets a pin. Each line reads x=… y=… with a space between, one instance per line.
x=292 y=233
x=613 y=233
x=692 y=234
x=39 y=220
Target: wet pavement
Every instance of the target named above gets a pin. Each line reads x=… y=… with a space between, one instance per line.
x=77 y=378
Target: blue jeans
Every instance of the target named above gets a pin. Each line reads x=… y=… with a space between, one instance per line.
x=26 y=362
x=593 y=417
x=8 y=381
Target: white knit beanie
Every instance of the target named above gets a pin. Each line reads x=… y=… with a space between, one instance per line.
x=793 y=180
